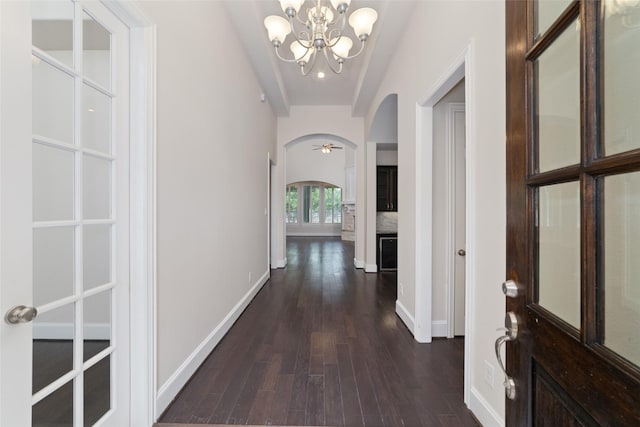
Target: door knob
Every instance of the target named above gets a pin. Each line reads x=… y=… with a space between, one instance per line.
x=462 y=252
x=20 y=314
x=511 y=328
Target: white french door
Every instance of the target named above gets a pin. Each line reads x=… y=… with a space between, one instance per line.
x=64 y=188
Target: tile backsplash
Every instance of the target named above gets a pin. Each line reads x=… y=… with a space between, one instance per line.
x=387 y=222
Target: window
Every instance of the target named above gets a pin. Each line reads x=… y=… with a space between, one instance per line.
x=313 y=203
x=292 y=205
x=332 y=205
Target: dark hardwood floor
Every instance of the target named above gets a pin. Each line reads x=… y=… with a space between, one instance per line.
x=321 y=345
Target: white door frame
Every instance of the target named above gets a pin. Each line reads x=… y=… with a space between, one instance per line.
x=463 y=66
x=143 y=357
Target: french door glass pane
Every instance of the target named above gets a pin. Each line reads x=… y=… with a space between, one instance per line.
x=97 y=324
x=96 y=120
x=621 y=83
x=53 y=17
x=53 y=180
x=96 y=188
x=97 y=255
x=53 y=264
x=558 y=102
x=52 y=107
x=55 y=409
x=53 y=337
x=97 y=391
x=622 y=270
x=559 y=250
x=96 y=51
x=547 y=11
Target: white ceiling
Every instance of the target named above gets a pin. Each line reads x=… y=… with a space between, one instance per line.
x=282 y=82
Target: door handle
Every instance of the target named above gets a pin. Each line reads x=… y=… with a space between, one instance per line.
x=511 y=333
x=20 y=314
x=462 y=252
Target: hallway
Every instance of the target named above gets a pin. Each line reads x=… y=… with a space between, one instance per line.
x=321 y=345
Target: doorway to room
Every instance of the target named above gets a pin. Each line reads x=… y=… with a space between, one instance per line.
x=449 y=214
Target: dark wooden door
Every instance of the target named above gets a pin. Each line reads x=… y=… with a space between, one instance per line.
x=573 y=211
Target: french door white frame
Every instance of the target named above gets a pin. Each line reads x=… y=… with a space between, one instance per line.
x=142 y=158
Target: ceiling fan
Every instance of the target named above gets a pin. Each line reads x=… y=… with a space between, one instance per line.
x=327 y=148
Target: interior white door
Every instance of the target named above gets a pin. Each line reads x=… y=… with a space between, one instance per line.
x=65 y=214
x=460 y=213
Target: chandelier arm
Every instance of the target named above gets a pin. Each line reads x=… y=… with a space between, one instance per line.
x=311 y=63
x=308 y=43
x=343 y=25
x=330 y=63
x=282 y=58
x=356 y=54
x=339 y=36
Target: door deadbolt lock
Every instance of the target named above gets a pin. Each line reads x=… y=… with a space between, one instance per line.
x=510 y=289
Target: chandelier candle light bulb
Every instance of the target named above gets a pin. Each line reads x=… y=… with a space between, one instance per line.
x=323 y=31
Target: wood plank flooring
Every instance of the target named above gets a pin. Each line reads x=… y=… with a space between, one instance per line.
x=321 y=345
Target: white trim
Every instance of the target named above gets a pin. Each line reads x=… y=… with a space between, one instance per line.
x=463 y=66
x=484 y=413
x=358 y=263
x=370 y=268
x=143 y=334
x=179 y=378
x=440 y=329
x=471 y=215
x=281 y=263
x=405 y=316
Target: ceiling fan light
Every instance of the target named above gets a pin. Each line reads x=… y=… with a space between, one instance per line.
x=341 y=47
x=277 y=27
x=300 y=53
x=362 y=21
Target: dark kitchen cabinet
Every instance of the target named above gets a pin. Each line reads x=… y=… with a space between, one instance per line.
x=387 y=189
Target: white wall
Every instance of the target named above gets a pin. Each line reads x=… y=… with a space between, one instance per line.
x=438 y=33
x=336 y=124
x=305 y=164
x=213 y=139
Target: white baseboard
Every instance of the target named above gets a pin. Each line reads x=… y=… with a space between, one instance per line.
x=281 y=263
x=174 y=384
x=370 y=268
x=65 y=331
x=439 y=328
x=404 y=315
x=481 y=409
x=358 y=264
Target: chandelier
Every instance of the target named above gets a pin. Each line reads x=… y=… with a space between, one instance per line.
x=319 y=32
